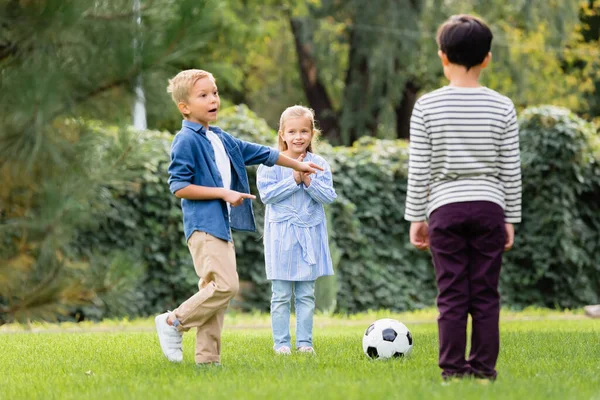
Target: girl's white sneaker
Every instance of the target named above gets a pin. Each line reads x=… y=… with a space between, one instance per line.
x=306 y=349
x=283 y=350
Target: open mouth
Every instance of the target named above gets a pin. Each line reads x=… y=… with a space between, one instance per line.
x=212 y=110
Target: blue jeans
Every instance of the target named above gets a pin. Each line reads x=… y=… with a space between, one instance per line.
x=281 y=300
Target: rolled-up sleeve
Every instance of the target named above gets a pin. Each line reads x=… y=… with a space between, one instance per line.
x=181 y=168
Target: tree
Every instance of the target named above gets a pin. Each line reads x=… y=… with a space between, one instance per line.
x=363 y=65
x=379 y=81
x=590 y=38
x=236 y=38
x=64 y=64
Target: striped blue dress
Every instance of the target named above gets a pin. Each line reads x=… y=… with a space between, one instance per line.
x=295 y=236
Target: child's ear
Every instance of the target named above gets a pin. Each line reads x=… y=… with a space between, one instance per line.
x=183 y=108
x=282 y=140
x=444 y=58
x=486 y=60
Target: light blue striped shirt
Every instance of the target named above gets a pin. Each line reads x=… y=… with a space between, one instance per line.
x=295 y=237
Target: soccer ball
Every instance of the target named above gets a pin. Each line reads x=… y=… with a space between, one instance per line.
x=387 y=338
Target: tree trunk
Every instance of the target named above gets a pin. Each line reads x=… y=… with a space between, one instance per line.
x=404 y=110
x=361 y=111
x=314 y=89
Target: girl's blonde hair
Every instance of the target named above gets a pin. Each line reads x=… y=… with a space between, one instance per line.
x=295 y=112
x=181 y=84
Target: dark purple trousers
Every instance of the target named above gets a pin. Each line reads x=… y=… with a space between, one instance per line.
x=467 y=242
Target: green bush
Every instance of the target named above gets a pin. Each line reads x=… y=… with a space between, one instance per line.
x=141 y=220
x=49 y=266
x=556 y=258
x=554 y=262
x=378 y=267
x=145 y=220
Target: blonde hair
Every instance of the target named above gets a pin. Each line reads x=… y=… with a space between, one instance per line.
x=296 y=112
x=181 y=84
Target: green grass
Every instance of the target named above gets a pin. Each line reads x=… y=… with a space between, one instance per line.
x=547 y=356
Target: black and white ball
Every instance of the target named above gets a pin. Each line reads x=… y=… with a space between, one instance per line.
x=387 y=338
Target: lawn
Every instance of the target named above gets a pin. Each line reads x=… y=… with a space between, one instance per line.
x=543 y=356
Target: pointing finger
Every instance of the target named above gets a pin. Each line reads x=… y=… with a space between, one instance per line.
x=315 y=166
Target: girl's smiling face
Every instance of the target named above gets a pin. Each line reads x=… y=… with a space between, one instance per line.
x=297 y=135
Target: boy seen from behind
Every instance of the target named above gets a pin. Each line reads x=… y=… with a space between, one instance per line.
x=465 y=179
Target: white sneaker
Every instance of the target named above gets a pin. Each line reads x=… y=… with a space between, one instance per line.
x=170 y=338
x=306 y=349
x=592 y=311
x=283 y=350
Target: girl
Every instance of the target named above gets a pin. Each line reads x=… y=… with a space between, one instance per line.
x=295 y=237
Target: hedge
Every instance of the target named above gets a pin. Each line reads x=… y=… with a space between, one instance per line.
x=554 y=263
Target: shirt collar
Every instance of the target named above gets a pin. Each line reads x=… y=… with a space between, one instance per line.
x=193 y=126
x=199 y=128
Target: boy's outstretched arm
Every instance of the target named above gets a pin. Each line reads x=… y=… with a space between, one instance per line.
x=258 y=154
x=301 y=166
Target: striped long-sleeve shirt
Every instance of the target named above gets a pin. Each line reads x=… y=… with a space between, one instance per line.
x=295 y=237
x=464 y=146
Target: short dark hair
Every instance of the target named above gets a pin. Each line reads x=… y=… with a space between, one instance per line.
x=466 y=40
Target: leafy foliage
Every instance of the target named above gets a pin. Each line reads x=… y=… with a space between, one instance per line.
x=63 y=64
x=378 y=268
x=127 y=253
x=41 y=273
x=556 y=261
x=368 y=62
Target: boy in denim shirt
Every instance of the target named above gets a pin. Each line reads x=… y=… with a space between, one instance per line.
x=465 y=176
x=207 y=172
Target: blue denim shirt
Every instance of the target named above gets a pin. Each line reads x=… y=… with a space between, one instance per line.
x=193 y=162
